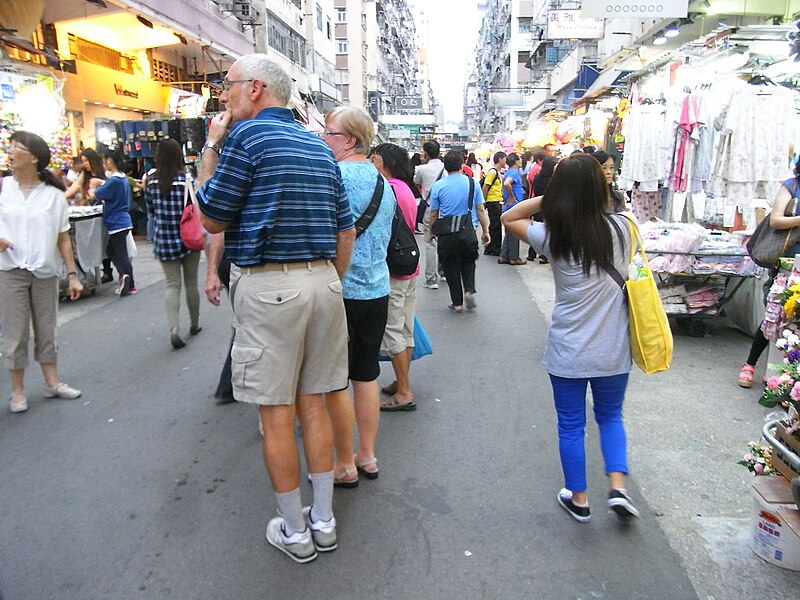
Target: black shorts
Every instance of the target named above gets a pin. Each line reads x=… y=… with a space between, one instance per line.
x=366 y=322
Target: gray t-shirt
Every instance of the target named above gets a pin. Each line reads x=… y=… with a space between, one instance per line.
x=588 y=334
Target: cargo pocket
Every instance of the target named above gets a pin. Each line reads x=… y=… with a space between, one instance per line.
x=245 y=367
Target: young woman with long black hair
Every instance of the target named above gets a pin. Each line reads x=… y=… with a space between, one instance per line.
x=588 y=341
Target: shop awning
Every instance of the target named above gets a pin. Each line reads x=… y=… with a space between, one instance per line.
x=607 y=80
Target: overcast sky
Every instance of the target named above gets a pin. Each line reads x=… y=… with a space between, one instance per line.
x=453 y=32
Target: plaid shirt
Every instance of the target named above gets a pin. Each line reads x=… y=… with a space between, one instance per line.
x=167 y=213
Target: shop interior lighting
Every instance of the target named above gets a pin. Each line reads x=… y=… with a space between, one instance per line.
x=660 y=39
x=145 y=22
x=672 y=30
x=181 y=38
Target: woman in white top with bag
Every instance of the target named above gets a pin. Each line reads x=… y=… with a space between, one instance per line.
x=34 y=238
x=588 y=341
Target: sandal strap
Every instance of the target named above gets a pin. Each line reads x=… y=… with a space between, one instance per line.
x=367 y=463
x=748 y=368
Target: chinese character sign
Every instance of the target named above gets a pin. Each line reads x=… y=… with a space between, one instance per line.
x=570 y=25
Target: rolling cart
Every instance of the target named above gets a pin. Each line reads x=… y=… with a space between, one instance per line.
x=86 y=234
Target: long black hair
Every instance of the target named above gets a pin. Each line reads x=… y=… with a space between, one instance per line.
x=576 y=210
x=169 y=162
x=97 y=169
x=39 y=148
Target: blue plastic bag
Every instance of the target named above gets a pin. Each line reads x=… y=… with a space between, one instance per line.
x=422 y=343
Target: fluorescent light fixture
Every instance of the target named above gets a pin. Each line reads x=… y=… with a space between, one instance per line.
x=660 y=39
x=672 y=31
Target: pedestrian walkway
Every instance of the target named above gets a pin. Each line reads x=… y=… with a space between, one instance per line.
x=144 y=488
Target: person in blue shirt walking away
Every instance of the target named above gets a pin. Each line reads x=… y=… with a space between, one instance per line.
x=115 y=192
x=513 y=192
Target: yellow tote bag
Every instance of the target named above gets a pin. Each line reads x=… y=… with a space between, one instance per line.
x=651 y=337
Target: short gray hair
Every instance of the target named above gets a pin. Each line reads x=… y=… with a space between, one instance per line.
x=270 y=73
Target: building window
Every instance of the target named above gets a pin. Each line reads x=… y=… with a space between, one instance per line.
x=523 y=57
x=329 y=31
x=319 y=17
x=341 y=15
x=525 y=24
x=285 y=40
x=341 y=45
x=99 y=55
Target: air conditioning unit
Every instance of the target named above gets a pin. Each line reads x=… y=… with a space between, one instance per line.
x=244 y=10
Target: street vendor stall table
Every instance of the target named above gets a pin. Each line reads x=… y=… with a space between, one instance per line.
x=86 y=232
x=699 y=274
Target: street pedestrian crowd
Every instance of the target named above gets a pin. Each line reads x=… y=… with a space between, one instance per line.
x=300 y=229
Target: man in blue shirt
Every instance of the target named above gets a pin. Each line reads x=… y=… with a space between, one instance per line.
x=276 y=191
x=458 y=251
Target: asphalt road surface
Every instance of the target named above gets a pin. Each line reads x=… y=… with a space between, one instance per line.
x=144 y=488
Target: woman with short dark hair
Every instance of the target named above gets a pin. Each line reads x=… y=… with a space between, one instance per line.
x=34 y=239
x=588 y=342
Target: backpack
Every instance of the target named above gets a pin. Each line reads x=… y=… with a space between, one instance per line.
x=402 y=255
x=483 y=179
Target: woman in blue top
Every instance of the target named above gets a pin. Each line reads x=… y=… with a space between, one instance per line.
x=365 y=288
x=116 y=196
x=512 y=193
x=164 y=194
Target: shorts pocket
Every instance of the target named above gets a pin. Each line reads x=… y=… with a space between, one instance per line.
x=335 y=286
x=278 y=297
x=245 y=367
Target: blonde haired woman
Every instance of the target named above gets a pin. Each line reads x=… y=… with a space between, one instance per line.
x=365 y=288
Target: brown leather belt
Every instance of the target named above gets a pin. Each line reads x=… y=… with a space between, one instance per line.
x=288 y=266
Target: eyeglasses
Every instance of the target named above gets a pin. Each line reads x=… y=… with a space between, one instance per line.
x=17 y=147
x=326 y=133
x=227 y=83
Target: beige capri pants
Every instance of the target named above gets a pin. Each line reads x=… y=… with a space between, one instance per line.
x=25 y=298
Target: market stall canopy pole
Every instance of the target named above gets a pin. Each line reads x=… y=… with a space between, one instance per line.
x=21 y=17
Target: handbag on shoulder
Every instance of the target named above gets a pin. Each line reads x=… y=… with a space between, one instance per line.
x=193 y=235
x=648 y=327
x=767 y=245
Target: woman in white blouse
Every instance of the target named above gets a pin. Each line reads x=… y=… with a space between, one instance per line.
x=34 y=238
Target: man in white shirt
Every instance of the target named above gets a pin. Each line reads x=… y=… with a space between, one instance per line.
x=425 y=175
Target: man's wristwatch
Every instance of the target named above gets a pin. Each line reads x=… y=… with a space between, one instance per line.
x=214 y=147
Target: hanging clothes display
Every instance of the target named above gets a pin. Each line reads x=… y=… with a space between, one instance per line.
x=755 y=136
x=644 y=155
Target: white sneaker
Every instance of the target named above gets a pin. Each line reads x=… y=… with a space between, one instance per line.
x=298 y=546
x=431 y=284
x=322 y=532
x=61 y=390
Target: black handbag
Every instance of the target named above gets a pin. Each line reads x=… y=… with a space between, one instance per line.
x=767 y=245
x=455 y=223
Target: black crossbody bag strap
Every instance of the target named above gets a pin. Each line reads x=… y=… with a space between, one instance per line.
x=471 y=194
x=372 y=209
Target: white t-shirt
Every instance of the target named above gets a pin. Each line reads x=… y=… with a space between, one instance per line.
x=428 y=174
x=32 y=225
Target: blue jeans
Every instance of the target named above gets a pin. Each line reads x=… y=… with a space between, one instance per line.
x=569 y=396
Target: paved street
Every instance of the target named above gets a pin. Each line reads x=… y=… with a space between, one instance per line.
x=144 y=488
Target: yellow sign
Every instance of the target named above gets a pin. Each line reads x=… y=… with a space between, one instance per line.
x=108 y=86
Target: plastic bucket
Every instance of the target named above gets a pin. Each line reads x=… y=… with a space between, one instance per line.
x=773 y=537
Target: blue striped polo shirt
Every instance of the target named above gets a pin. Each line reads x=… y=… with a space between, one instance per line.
x=280 y=191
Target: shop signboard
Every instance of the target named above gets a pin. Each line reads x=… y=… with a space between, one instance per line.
x=427 y=129
x=105 y=86
x=635 y=9
x=570 y=25
x=408 y=102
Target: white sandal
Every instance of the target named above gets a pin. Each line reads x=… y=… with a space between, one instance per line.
x=16 y=405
